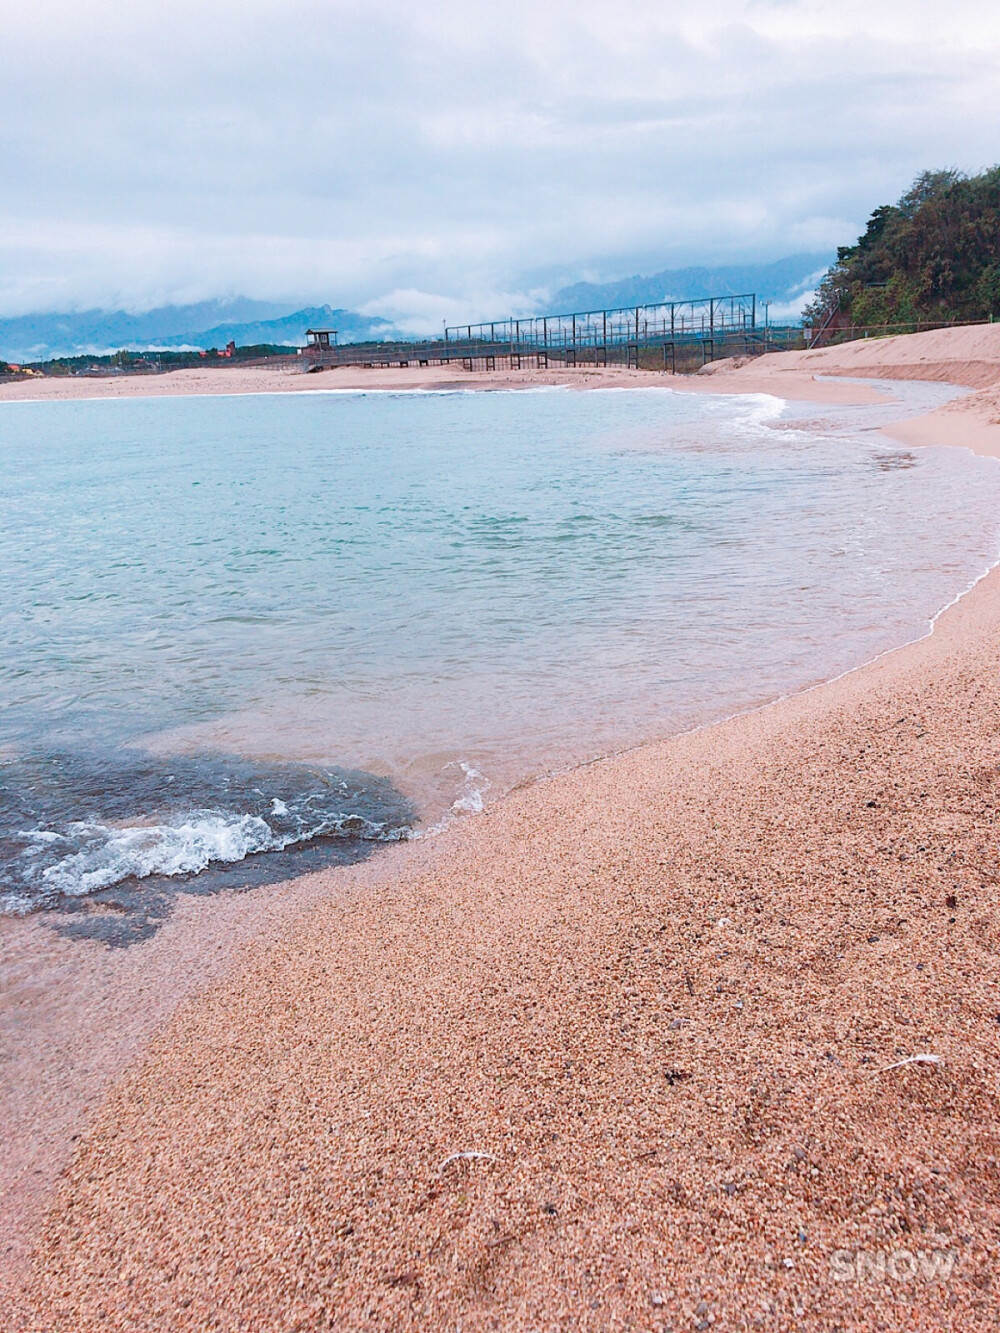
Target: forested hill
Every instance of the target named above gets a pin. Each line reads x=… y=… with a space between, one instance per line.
x=933 y=256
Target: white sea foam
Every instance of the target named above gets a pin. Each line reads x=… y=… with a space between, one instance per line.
x=110 y=855
x=114 y=854
x=474 y=788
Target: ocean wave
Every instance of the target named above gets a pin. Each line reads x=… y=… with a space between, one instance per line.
x=156 y=821
x=186 y=848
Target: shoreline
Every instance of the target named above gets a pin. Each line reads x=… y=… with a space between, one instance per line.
x=462 y=914
x=264 y=380
x=965 y=355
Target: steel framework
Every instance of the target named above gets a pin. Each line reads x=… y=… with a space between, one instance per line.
x=641 y=325
x=720 y=325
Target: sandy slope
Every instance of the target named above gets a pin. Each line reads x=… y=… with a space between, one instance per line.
x=661 y=994
x=968 y=354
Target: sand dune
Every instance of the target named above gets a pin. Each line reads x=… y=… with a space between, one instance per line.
x=967 y=354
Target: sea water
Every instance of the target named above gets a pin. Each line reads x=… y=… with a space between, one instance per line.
x=269 y=631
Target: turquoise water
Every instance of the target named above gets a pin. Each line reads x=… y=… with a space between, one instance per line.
x=447 y=591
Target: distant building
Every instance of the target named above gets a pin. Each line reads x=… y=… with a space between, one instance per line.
x=322 y=338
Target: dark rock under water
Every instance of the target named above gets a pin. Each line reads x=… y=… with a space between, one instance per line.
x=104 y=841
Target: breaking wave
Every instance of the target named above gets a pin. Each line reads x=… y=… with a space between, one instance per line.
x=148 y=816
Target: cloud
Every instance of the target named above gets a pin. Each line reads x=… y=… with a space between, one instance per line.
x=446 y=161
x=423 y=314
x=790 y=311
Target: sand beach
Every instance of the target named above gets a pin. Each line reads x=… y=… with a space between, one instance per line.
x=700 y=1036
x=966 y=355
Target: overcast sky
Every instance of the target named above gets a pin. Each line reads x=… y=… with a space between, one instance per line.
x=450 y=160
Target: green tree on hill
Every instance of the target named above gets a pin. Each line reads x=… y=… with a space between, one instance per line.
x=933 y=256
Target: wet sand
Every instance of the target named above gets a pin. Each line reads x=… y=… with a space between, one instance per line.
x=268 y=379
x=661 y=994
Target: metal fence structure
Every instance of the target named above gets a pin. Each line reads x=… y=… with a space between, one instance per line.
x=601 y=336
x=830 y=332
x=706 y=329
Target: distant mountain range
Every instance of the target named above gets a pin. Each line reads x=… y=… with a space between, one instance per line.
x=207 y=324
x=782 y=282
x=785 y=283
